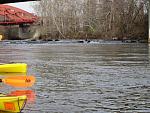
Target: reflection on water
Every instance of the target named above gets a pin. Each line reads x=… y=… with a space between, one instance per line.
x=11 y=74
x=31 y=97
x=85 y=78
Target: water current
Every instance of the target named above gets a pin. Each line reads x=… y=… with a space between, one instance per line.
x=105 y=77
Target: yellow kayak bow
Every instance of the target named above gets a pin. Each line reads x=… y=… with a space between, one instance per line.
x=13 y=68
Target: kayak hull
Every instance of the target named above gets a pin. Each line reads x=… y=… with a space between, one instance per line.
x=14 y=68
x=12 y=103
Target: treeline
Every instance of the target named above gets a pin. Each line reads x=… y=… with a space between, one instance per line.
x=93 y=19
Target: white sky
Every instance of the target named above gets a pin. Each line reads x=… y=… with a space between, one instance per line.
x=27 y=6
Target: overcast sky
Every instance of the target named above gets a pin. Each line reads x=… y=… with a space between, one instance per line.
x=27 y=6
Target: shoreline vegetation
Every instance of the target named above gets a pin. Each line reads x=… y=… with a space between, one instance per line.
x=125 y=20
x=67 y=41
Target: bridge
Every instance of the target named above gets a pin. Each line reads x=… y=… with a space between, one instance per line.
x=10 y=15
x=16 y=23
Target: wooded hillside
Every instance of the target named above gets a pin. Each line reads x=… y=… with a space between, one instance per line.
x=96 y=19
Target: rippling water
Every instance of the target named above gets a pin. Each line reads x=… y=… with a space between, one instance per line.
x=84 y=78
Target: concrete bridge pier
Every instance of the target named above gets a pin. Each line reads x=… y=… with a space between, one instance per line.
x=24 y=31
x=18 y=32
x=29 y=32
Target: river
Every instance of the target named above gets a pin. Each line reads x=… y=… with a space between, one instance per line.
x=104 y=77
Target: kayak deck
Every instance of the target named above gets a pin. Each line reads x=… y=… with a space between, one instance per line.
x=12 y=103
x=13 y=68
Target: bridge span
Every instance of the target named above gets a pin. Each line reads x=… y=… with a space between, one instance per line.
x=10 y=15
x=16 y=23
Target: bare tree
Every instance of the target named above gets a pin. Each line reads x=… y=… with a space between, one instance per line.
x=93 y=18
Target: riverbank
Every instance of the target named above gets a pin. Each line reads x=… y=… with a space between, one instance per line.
x=96 y=41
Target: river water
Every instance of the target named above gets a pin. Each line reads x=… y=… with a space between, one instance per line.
x=102 y=77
